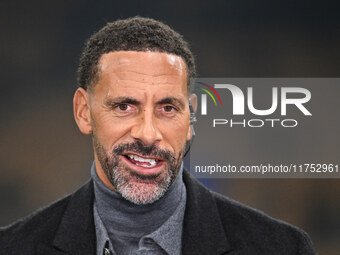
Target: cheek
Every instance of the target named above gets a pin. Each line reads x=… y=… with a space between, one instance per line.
x=110 y=131
x=175 y=135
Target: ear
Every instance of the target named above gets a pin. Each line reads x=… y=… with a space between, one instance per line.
x=193 y=102
x=81 y=111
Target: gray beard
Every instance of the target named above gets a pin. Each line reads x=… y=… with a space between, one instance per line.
x=136 y=188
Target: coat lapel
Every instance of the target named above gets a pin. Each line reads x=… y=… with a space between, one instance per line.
x=76 y=232
x=202 y=230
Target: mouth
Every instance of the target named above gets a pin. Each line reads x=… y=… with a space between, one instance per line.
x=143 y=164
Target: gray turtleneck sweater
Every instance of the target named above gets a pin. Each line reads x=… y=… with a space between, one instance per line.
x=125 y=228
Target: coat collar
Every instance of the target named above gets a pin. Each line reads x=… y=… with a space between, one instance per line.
x=76 y=232
x=202 y=228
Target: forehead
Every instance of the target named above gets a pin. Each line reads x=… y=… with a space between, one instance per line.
x=155 y=70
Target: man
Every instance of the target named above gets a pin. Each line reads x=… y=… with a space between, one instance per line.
x=133 y=98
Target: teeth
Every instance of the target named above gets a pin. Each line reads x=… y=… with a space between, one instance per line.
x=147 y=166
x=152 y=162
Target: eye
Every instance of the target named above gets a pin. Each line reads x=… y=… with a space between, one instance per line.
x=123 y=107
x=168 y=108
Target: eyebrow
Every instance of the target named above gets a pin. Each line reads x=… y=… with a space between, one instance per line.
x=121 y=100
x=172 y=100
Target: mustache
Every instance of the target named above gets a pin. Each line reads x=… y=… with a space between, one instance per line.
x=144 y=150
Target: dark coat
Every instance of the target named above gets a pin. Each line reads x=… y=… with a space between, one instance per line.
x=213 y=224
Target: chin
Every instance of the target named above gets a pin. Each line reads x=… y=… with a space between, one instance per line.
x=142 y=189
x=142 y=193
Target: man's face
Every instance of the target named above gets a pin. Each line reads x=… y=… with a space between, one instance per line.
x=139 y=117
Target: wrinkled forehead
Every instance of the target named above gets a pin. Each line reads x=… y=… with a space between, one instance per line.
x=140 y=61
x=152 y=68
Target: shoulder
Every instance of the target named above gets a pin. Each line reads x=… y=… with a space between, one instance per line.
x=245 y=224
x=38 y=226
x=245 y=229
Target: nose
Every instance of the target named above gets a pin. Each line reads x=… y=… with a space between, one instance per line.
x=146 y=129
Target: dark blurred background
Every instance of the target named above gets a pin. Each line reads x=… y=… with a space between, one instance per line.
x=44 y=156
